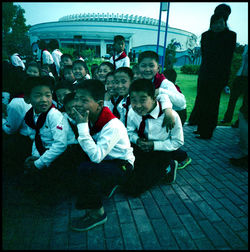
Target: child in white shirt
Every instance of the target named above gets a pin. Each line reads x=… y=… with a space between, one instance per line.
x=104 y=139
x=154 y=148
x=119 y=59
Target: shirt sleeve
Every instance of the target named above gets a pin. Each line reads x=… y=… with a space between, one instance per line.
x=175 y=139
x=163 y=98
x=59 y=144
x=107 y=139
x=126 y=62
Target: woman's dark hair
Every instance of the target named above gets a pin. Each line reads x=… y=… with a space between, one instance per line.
x=223 y=10
x=216 y=17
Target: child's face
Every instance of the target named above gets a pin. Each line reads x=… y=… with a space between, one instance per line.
x=111 y=86
x=69 y=76
x=102 y=72
x=79 y=71
x=119 y=46
x=148 y=68
x=66 y=62
x=123 y=83
x=142 y=103
x=69 y=108
x=41 y=99
x=32 y=71
x=84 y=102
x=137 y=74
x=61 y=93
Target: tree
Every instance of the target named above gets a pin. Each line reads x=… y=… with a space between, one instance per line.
x=15 y=38
x=170 y=54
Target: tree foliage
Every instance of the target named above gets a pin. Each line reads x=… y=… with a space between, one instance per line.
x=14 y=30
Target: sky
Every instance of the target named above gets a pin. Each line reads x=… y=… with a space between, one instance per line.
x=190 y=16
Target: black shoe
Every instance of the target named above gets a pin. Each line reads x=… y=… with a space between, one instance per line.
x=242 y=162
x=235 y=125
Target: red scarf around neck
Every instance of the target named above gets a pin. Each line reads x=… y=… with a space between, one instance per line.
x=105 y=116
x=122 y=56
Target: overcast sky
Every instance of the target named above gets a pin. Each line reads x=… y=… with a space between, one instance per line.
x=193 y=17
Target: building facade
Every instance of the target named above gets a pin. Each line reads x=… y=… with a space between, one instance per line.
x=96 y=31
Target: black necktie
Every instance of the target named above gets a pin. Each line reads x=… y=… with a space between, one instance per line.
x=74 y=128
x=115 y=103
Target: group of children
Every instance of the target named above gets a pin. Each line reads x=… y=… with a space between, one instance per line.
x=87 y=135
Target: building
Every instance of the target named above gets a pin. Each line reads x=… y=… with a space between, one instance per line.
x=96 y=31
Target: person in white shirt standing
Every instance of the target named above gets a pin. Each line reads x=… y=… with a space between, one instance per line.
x=156 y=150
x=56 y=54
x=17 y=61
x=120 y=58
x=104 y=139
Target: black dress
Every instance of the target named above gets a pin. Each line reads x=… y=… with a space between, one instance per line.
x=217 y=52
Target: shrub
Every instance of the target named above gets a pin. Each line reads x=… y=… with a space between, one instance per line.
x=190 y=69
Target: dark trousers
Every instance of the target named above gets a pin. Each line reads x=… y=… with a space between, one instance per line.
x=149 y=168
x=96 y=179
x=206 y=109
x=60 y=175
x=15 y=149
x=239 y=86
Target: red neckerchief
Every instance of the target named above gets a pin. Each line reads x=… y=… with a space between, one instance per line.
x=122 y=56
x=105 y=116
x=158 y=80
x=143 y=123
x=29 y=119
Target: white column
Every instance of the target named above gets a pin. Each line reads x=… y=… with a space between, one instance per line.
x=103 y=50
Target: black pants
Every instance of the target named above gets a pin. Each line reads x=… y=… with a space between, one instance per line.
x=206 y=109
x=149 y=168
x=239 y=87
x=183 y=115
x=96 y=179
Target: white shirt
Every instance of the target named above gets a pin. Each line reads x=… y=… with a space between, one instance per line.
x=178 y=99
x=71 y=139
x=125 y=62
x=56 y=55
x=14 y=122
x=53 y=136
x=16 y=61
x=111 y=142
x=163 y=140
x=47 y=57
x=162 y=97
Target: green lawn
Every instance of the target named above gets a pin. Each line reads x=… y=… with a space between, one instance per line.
x=188 y=85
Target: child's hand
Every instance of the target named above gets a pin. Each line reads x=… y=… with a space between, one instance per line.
x=29 y=165
x=79 y=118
x=145 y=145
x=169 y=120
x=107 y=96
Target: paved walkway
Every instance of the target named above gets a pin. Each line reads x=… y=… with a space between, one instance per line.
x=206 y=208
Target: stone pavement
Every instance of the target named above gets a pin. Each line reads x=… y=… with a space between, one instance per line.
x=206 y=208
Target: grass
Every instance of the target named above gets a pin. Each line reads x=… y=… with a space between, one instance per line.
x=188 y=85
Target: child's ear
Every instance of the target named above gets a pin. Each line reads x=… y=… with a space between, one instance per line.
x=100 y=103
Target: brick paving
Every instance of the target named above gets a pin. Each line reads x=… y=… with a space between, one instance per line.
x=206 y=208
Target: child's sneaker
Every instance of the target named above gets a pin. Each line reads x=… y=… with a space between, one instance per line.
x=171 y=175
x=87 y=222
x=184 y=163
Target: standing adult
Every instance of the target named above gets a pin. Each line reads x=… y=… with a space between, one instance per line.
x=217 y=47
x=56 y=55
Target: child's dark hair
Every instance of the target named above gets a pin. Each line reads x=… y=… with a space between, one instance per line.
x=68 y=98
x=170 y=74
x=95 y=88
x=64 y=84
x=118 y=38
x=148 y=54
x=142 y=85
x=126 y=70
x=109 y=74
x=83 y=63
x=66 y=55
x=108 y=64
x=32 y=82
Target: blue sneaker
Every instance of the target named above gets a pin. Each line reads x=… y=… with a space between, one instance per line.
x=184 y=163
x=171 y=175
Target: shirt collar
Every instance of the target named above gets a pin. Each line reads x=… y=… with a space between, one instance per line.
x=155 y=112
